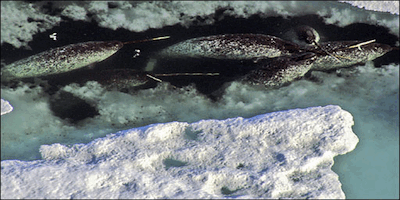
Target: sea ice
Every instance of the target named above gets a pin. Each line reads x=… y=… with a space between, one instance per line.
x=6 y=107
x=382 y=6
x=286 y=154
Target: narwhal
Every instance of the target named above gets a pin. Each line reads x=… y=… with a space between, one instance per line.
x=64 y=59
x=280 y=71
x=232 y=46
x=279 y=61
x=349 y=53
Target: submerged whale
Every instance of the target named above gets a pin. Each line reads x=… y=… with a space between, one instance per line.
x=274 y=73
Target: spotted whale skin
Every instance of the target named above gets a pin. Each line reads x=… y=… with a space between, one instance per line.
x=232 y=46
x=278 y=62
x=348 y=56
x=277 y=72
x=60 y=60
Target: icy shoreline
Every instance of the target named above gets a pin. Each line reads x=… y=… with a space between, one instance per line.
x=286 y=154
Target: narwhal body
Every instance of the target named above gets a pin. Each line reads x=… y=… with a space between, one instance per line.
x=279 y=61
x=232 y=46
x=282 y=70
x=348 y=56
x=64 y=59
x=60 y=60
x=120 y=78
x=274 y=73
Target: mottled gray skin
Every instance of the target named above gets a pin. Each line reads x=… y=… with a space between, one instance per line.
x=232 y=46
x=120 y=78
x=277 y=72
x=280 y=71
x=280 y=62
x=353 y=55
x=60 y=60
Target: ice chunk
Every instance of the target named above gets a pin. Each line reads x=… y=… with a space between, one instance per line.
x=381 y=6
x=286 y=154
x=5 y=107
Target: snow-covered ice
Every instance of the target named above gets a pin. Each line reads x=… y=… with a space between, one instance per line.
x=286 y=154
x=382 y=6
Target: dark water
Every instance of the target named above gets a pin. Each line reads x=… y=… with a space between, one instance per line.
x=70 y=32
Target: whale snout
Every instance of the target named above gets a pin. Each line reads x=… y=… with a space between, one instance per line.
x=385 y=48
x=376 y=50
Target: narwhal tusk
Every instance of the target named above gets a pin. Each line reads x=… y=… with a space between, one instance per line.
x=180 y=74
x=154 y=78
x=188 y=74
x=360 y=44
x=147 y=40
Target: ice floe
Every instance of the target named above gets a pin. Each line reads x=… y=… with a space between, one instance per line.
x=6 y=107
x=286 y=154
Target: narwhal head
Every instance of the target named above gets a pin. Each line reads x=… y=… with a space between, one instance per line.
x=348 y=53
x=376 y=50
x=359 y=51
